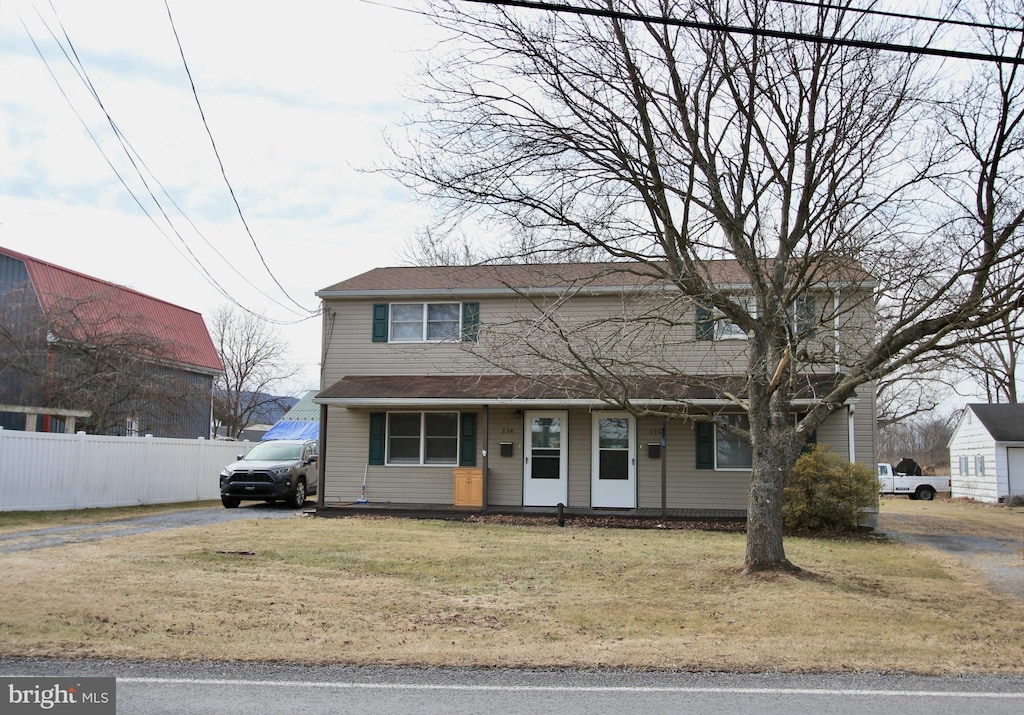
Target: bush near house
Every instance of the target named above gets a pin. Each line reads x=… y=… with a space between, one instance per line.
x=825 y=492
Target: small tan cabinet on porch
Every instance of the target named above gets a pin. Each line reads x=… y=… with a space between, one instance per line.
x=469 y=486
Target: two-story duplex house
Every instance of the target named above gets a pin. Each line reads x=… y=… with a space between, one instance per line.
x=503 y=387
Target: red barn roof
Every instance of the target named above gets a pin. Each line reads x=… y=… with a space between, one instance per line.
x=109 y=309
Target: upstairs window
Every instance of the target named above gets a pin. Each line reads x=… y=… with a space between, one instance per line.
x=711 y=325
x=425 y=322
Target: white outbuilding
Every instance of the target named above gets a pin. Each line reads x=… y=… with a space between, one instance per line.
x=986 y=453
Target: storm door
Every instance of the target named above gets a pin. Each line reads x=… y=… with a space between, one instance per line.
x=545 y=468
x=613 y=464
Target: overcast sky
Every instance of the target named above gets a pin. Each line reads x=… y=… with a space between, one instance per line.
x=298 y=96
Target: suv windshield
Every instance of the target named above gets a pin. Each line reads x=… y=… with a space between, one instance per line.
x=271 y=452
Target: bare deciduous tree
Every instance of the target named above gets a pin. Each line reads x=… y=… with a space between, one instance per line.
x=255 y=359
x=992 y=361
x=802 y=162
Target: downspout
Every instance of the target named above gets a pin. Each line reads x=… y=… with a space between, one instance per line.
x=851 y=410
x=835 y=329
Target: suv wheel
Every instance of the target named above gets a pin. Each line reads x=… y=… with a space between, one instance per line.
x=299 y=498
x=230 y=502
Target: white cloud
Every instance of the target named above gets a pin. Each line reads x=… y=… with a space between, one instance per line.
x=297 y=95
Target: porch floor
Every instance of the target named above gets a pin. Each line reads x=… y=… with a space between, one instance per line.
x=451 y=512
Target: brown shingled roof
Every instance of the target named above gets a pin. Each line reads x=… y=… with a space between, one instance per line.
x=535 y=276
x=494 y=388
x=108 y=308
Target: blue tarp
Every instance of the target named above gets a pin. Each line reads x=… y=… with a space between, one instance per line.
x=291 y=429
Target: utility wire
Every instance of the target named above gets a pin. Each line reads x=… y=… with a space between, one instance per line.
x=106 y=157
x=71 y=55
x=220 y=162
x=752 y=31
x=899 y=15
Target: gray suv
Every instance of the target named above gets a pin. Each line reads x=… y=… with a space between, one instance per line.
x=276 y=470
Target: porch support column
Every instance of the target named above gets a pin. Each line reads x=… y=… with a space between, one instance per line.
x=483 y=454
x=664 y=466
x=321 y=460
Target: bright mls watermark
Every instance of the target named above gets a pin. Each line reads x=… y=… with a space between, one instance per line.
x=58 y=695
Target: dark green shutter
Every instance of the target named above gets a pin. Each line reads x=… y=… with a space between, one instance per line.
x=380 y=322
x=705 y=445
x=378 y=426
x=705 y=324
x=470 y=322
x=467 y=437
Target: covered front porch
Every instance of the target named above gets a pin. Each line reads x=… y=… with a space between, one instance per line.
x=455 y=446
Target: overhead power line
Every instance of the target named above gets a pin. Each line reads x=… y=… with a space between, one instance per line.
x=142 y=170
x=220 y=162
x=758 y=31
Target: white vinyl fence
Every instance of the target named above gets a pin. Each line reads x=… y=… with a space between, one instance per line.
x=42 y=471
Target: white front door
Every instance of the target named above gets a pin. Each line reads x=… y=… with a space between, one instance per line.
x=613 y=470
x=545 y=466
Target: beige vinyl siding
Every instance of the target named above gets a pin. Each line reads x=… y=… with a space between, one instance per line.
x=504 y=474
x=349 y=349
x=347 y=437
x=834 y=432
x=865 y=426
x=686 y=487
x=692 y=488
x=348 y=445
x=580 y=456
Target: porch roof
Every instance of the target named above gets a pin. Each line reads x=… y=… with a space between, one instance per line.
x=520 y=390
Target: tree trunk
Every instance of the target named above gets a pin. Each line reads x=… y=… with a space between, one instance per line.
x=764 y=513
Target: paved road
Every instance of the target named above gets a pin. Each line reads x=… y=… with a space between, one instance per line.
x=81 y=533
x=226 y=689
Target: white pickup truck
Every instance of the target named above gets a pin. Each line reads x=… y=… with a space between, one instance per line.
x=924 y=488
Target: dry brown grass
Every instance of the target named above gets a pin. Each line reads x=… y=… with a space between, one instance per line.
x=967 y=518
x=428 y=592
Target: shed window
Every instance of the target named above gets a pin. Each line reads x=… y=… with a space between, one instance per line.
x=979 y=465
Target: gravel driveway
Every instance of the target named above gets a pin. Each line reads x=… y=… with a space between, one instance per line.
x=82 y=533
x=999 y=561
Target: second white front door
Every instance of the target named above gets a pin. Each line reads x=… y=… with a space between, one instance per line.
x=613 y=470
x=545 y=463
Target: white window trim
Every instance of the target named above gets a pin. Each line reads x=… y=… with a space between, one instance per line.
x=729 y=469
x=422 y=440
x=725 y=329
x=424 y=323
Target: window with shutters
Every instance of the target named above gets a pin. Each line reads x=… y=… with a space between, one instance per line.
x=718 y=448
x=425 y=322
x=712 y=325
x=427 y=438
